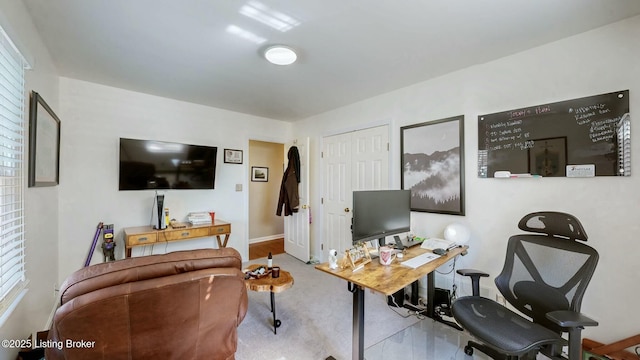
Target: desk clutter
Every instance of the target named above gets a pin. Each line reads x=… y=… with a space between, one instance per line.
x=200 y=218
x=257 y=273
x=360 y=255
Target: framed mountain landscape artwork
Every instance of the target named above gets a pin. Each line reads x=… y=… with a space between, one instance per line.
x=433 y=165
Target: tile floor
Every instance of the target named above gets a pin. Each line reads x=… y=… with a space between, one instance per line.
x=426 y=339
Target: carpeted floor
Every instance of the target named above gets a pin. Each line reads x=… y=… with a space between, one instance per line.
x=316 y=315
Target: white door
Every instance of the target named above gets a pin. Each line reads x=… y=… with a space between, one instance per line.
x=357 y=160
x=296 y=226
x=336 y=201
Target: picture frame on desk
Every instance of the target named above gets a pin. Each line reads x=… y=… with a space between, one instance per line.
x=432 y=165
x=358 y=256
x=44 y=143
x=232 y=156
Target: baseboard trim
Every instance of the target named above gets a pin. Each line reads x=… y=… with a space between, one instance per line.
x=266 y=238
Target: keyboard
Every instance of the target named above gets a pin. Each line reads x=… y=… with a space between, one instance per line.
x=420 y=260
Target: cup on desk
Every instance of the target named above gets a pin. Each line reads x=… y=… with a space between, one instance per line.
x=275 y=272
x=386 y=255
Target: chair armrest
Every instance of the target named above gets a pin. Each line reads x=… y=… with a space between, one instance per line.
x=570 y=319
x=475 y=278
x=472 y=272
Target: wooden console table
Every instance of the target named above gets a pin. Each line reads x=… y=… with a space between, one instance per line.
x=146 y=235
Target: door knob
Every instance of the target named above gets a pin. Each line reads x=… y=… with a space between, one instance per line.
x=346 y=209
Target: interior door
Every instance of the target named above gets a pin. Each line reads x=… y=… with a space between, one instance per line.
x=296 y=226
x=357 y=160
x=337 y=200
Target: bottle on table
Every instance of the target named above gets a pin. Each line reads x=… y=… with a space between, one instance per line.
x=269 y=261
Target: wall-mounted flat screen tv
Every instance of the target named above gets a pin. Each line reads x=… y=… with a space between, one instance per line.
x=151 y=164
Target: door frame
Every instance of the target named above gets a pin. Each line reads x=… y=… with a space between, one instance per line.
x=245 y=181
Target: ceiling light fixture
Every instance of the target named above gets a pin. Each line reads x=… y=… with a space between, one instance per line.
x=280 y=55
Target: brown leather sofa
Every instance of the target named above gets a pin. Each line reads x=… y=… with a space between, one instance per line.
x=181 y=305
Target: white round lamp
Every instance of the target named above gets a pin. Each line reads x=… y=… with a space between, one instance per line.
x=280 y=55
x=457 y=233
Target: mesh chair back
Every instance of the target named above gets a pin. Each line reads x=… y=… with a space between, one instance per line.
x=548 y=271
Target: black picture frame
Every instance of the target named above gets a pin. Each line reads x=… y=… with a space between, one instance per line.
x=44 y=143
x=548 y=157
x=432 y=165
x=232 y=156
x=259 y=174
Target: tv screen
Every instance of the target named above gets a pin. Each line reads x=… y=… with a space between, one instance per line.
x=380 y=213
x=150 y=164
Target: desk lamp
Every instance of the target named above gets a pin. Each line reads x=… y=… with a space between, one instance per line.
x=458 y=233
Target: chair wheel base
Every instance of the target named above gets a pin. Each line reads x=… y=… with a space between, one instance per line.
x=468 y=350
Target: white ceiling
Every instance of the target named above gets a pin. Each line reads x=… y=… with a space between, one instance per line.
x=348 y=50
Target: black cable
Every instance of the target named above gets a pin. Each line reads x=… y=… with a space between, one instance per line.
x=409 y=312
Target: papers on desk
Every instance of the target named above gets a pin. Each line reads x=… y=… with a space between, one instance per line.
x=435 y=243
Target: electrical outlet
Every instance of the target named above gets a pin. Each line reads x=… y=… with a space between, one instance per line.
x=500 y=299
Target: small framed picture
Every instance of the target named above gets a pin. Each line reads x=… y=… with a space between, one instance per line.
x=260 y=174
x=232 y=156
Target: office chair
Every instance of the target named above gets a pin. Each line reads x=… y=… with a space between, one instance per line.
x=544 y=277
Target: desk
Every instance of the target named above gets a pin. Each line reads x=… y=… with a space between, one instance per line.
x=387 y=280
x=146 y=235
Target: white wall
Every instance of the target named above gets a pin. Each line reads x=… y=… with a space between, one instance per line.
x=600 y=61
x=94 y=117
x=41 y=204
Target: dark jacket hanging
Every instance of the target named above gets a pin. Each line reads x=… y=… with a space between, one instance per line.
x=289 y=197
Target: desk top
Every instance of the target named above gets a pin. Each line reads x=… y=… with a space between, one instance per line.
x=390 y=279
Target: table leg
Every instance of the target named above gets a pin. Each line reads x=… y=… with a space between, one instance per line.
x=358 y=321
x=276 y=322
x=220 y=243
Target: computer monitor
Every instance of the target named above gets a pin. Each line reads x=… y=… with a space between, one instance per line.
x=380 y=213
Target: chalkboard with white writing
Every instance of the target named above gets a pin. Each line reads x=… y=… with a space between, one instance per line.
x=559 y=139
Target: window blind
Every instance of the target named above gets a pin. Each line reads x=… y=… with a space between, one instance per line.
x=12 y=155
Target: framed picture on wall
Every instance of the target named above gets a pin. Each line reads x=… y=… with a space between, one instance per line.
x=44 y=143
x=432 y=161
x=259 y=174
x=232 y=156
x=548 y=157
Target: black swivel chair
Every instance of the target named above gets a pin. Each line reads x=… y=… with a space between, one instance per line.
x=544 y=277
